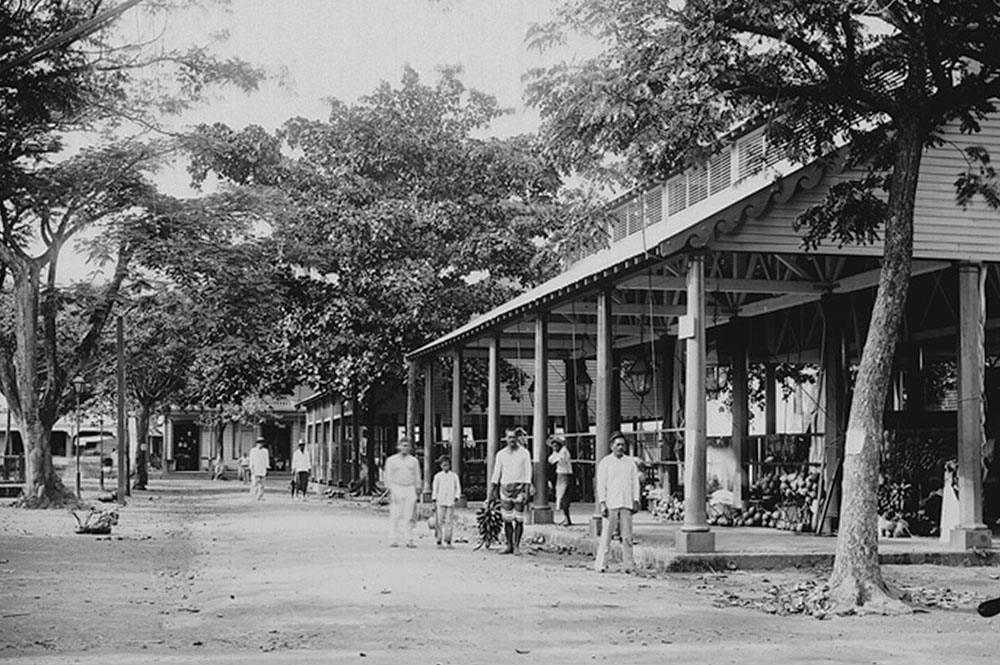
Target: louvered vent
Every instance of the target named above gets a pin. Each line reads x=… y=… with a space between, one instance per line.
x=750 y=155
x=619 y=223
x=697 y=185
x=654 y=205
x=720 y=172
x=676 y=194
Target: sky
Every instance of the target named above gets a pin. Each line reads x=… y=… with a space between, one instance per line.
x=318 y=49
x=345 y=48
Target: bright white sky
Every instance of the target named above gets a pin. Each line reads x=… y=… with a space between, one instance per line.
x=344 y=49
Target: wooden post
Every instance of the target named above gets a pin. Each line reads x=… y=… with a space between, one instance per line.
x=493 y=408
x=457 y=390
x=569 y=366
x=604 y=390
x=541 y=511
x=770 y=400
x=971 y=532
x=427 y=429
x=411 y=401
x=694 y=535
x=834 y=387
x=668 y=346
x=122 y=446
x=738 y=335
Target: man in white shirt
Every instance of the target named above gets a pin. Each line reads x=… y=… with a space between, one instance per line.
x=260 y=462
x=564 y=475
x=444 y=492
x=510 y=484
x=402 y=477
x=618 y=497
x=301 y=468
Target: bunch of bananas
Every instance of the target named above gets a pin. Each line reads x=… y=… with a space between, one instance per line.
x=490 y=524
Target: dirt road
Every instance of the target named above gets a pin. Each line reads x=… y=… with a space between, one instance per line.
x=197 y=574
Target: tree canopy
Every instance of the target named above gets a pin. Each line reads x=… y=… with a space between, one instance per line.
x=401 y=220
x=881 y=78
x=65 y=69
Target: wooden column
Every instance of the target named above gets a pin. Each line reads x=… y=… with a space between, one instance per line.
x=738 y=334
x=570 y=425
x=427 y=429
x=971 y=532
x=457 y=390
x=668 y=348
x=834 y=397
x=694 y=535
x=603 y=390
x=541 y=511
x=411 y=401
x=493 y=408
x=770 y=400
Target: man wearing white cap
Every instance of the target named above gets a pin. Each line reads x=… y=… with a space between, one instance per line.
x=260 y=462
x=301 y=467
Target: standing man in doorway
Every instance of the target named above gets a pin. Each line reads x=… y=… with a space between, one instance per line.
x=511 y=483
x=301 y=468
x=260 y=462
x=402 y=477
x=562 y=460
x=618 y=498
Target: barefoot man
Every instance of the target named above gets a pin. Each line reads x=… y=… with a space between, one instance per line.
x=510 y=484
x=618 y=498
x=402 y=476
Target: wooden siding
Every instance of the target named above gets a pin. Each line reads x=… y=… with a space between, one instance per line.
x=942 y=230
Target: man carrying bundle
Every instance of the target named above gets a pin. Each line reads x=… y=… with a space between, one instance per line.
x=511 y=483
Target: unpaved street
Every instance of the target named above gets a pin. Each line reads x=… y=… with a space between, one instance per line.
x=196 y=573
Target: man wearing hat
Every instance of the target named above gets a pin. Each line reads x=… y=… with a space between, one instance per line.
x=563 y=461
x=444 y=492
x=260 y=462
x=301 y=467
x=618 y=497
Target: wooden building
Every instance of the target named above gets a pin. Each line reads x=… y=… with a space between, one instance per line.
x=707 y=269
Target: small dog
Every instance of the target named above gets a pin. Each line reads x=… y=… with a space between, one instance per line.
x=893 y=527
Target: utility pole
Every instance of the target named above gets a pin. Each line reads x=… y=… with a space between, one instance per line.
x=122 y=430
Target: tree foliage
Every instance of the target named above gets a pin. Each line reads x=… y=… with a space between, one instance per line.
x=65 y=69
x=402 y=221
x=882 y=78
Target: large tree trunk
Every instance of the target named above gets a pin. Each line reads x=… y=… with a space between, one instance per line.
x=142 y=424
x=43 y=488
x=142 y=447
x=856 y=584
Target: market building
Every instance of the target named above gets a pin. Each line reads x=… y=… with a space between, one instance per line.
x=706 y=270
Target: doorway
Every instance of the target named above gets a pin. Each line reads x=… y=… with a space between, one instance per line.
x=278 y=438
x=187 y=451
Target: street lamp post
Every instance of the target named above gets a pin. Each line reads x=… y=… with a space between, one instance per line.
x=77 y=389
x=100 y=426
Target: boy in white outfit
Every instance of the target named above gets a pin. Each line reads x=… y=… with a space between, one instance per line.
x=444 y=492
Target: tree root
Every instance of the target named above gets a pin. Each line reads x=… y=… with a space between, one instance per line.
x=49 y=496
x=853 y=596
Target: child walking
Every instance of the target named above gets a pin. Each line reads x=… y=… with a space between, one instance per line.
x=444 y=492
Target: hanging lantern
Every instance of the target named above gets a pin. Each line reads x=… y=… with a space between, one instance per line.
x=640 y=375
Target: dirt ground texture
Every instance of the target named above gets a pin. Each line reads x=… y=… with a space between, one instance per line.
x=197 y=573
